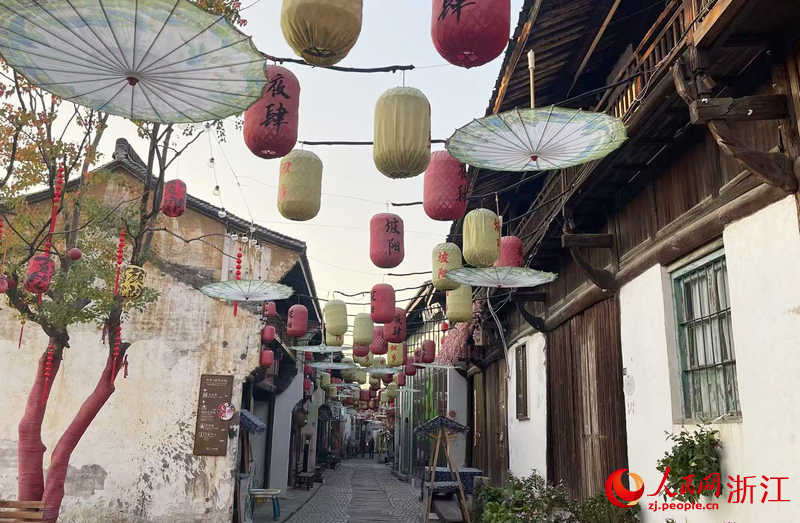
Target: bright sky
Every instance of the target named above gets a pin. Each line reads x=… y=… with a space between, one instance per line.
x=340 y=106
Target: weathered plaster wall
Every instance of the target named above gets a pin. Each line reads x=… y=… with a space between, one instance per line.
x=764 y=279
x=457 y=403
x=282 y=430
x=527 y=438
x=135 y=463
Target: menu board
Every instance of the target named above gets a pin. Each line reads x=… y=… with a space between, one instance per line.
x=211 y=433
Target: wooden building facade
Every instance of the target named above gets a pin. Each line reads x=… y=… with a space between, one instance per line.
x=710 y=93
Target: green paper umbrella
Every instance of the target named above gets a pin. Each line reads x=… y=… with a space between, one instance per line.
x=165 y=61
x=537 y=139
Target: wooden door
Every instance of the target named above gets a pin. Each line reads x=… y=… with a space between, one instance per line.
x=586 y=416
x=490 y=436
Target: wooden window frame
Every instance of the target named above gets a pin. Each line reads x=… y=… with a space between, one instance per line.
x=521 y=368
x=684 y=322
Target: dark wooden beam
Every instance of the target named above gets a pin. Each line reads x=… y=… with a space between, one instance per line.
x=519 y=48
x=748 y=40
x=601 y=277
x=534 y=321
x=605 y=241
x=604 y=10
x=529 y=296
x=760 y=107
x=632 y=168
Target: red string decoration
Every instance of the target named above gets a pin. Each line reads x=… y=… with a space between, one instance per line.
x=117 y=343
x=238 y=277
x=120 y=250
x=48 y=366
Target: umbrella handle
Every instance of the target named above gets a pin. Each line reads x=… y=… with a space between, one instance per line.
x=531 y=67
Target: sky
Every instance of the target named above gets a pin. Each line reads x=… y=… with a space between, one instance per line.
x=340 y=106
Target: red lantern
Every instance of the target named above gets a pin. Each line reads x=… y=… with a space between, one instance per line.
x=428 y=351
x=307 y=370
x=445 y=326
x=511 y=252
x=411 y=369
x=336 y=381
x=307 y=384
x=471 y=34
x=401 y=379
x=382 y=303
x=405 y=353
x=297 y=323
x=444 y=196
x=379 y=345
x=395 y=331
x=75 y=254
x=39 y=274
x=173 y=202
x=373 y=393
x=267 y=358
x=360 y=351
x=386 y=249
x=309 y=357
x=388 y=378
x=364 y=395
x=270 y=125
x=3 y=284
x=268 y=334
x=270 y=310
x=418 y=356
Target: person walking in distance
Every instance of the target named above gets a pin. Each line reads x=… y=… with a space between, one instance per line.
x=363 y=448
x=371 y=448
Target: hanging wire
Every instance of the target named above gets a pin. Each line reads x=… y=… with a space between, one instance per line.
x=214 y=166
x=225 y=156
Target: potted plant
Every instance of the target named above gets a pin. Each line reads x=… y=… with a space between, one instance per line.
x=692 y=466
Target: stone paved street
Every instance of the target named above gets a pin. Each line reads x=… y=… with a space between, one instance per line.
x=361 y=491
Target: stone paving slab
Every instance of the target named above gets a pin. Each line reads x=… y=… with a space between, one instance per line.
x=361 y=491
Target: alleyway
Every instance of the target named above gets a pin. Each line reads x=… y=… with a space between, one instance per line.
x=361 y=491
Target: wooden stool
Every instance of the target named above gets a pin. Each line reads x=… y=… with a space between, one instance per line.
x=264 y=495
x=21 y=510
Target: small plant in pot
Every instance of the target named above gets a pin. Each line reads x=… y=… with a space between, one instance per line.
x=692 y=466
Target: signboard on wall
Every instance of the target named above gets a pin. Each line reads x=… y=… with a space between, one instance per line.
x=211 y=432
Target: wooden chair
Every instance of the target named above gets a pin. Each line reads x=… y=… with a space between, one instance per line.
x=21 y=510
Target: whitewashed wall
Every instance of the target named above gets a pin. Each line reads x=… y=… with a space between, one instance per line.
x=282 y=431
x=763 y=257
x=135 y=463
x=457 y=403
x=527 y=438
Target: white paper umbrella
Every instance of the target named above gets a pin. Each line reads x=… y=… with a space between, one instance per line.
x=320 y=349
x=331 y=365
x=166 y=61
x=383 y=370
x=247 y=290
x=501 y=277
x=435 y=366
x=537 y=139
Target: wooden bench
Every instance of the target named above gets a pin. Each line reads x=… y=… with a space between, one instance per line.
x=304 y=479
x=318 y=474
x=21 y=510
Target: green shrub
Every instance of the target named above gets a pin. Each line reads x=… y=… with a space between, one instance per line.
x=692 y=454
x=599 y=510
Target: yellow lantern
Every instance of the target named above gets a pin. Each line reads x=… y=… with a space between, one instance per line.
x=385 y=397
x=374 y=379
x=325 y=381
x=333 y=392
x=360 y=360
x=335 y=317
x=321 y=31
x=361 y=376
x=481 y=238
x=131 y=284
x=348 y=374
x=446 y=257
x=402 y=146
x=459 y=304
x=368 y=360
x=378 y=362
x=300 y=186
x=391 y=389
x=362 y=329
x=333 y=341
x=395 y=355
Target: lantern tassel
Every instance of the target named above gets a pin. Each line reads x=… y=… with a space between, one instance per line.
x=21 y=331
x=235 y=308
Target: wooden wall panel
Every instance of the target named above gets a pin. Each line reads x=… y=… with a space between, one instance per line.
x=635 y=221
x=586 y=417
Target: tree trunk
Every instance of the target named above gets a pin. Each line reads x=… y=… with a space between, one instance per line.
x=30 y=448
x=59 y=463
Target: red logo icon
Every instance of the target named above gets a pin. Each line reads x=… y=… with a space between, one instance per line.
x=616 y=491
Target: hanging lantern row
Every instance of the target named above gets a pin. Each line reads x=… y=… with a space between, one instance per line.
x=470 y=34
x=173 y=200
x=445 y=257
x=402 y=146
x=444 y=194
x=300 y=186
x=335 y=314
x=297 y=321
x=386 y=247
x=270 y=125
x=322 y=32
